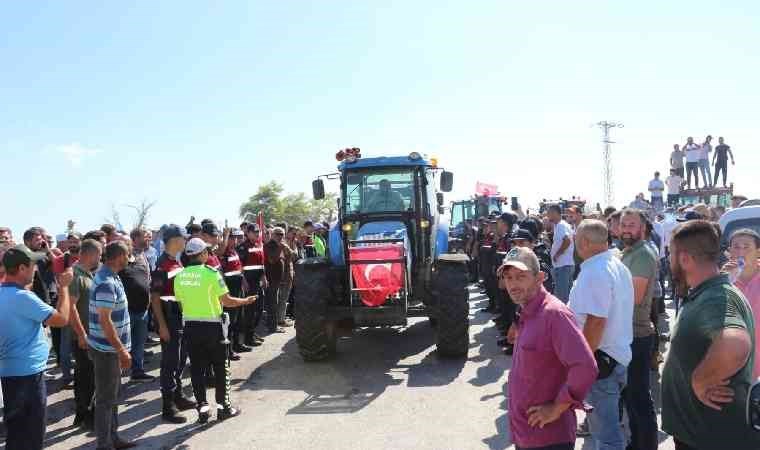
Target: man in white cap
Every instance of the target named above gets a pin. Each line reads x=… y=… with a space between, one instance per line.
x=553 y=368
x=201 y=291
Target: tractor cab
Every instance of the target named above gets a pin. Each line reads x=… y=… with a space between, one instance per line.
x=388 y=255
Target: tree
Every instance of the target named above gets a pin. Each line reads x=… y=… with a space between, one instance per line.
x=142 y=211
x=267 y=200
x=293 y=209
x=325 y=209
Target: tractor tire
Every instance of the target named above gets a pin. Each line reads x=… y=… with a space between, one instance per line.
x=315 y=335
x=449 y=285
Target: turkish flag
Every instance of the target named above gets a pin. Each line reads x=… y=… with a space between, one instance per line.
x=260 y=223
x=376 y=282
x=486 y=189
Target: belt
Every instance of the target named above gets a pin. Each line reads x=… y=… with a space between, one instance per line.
x=247 y=268
x=233 y=273
x=201 y=320
x=168 y=298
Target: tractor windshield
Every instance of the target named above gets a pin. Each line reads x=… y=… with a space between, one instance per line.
x=379 y=190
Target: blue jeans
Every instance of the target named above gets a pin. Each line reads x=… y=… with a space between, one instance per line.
x=604 y=421
x=65 y=349
x=638 y=396
x=138 y=323
x=563 y=281
x=704 y=168
x=25 y=407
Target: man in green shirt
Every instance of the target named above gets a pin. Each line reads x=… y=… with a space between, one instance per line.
x=708 y=371
x=90 y=253
x=637 y=395
x=201 y=292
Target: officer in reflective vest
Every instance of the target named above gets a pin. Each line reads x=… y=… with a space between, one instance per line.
x=201 y=291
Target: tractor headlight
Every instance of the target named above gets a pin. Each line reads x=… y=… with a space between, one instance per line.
x=346 y=227
x=424 y=224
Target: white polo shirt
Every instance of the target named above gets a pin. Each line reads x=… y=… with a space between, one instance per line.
x=604 y=288
x=562 y=230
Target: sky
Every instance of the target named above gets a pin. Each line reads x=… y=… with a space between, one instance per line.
x=195 y=104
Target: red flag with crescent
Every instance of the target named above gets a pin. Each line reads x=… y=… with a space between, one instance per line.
x=260 y=223
x=377 y=281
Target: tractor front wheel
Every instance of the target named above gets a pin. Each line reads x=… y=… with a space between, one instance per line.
x=449 y=286
x=315 y=334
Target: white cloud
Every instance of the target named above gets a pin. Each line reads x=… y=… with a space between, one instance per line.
x=75 y=153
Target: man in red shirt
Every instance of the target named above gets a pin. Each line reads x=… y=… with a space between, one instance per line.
x=553 y=368
x=251 y=251
x=232 y=269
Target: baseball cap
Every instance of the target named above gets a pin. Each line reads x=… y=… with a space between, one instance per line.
x=20 y=254
x=236 y=232
x=253 y=227
x=319 y=226
x=278 y=230
x=522 y=233
x=195 y=246
x=523 y=259
x=173 y=231
x=210 y=228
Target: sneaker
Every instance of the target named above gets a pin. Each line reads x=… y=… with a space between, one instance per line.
x=204 y=413
x=121 y=445
x=67 y=383
x=582 y=430
x=235 y=357
x=509 y=350
x=142 y=378
x=227 y=413
x=285 y=323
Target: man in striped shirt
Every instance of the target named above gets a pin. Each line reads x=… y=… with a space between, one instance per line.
x=109 y=342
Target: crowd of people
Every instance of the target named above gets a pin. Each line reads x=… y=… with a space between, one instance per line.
x=579 y=300
x=585 y=294
x=206 y=295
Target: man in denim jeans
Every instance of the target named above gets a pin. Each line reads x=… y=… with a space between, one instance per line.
x=24 y=347
x=562 y=254
x=602 y=301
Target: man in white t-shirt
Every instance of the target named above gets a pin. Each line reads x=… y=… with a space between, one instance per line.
x=692 y=151
x=602 y=301
x=674 y=182
x=704 y=161
x=562 y=253
x=656 y=188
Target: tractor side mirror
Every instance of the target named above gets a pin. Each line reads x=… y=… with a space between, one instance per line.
x=447 y=181
x=318 y=189
x=439 y=198
x=441 y=210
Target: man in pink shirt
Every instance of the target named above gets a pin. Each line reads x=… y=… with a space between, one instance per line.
x=744 y=248
x=553 y=367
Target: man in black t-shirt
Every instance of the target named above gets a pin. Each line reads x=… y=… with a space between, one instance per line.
x=720 y=160
x=136 y=280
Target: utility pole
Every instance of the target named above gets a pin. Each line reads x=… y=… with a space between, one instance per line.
x=609 y=193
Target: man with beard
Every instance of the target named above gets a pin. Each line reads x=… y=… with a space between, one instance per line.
x=642 y=263
x=553 y=367
x=709 y=367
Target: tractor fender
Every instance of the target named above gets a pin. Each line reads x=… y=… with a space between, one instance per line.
x=441 y=239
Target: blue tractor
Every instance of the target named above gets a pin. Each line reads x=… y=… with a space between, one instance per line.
x=387 y=257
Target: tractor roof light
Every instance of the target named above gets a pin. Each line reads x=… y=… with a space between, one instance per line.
x=349 y=154
x=414 y=156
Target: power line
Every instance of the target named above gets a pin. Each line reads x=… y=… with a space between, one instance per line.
x=609 y=192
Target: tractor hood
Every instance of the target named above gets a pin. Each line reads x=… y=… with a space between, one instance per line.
x=371 y=230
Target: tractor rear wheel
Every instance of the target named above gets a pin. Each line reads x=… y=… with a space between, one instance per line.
x=315 y=334
x=449 y=286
